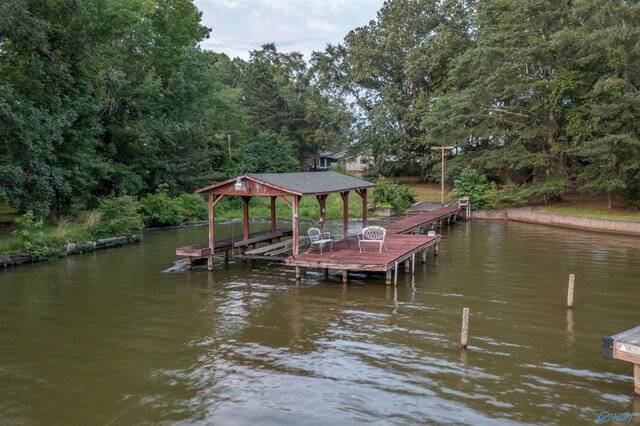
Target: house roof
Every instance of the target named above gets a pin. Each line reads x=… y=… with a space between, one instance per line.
x=302 y=183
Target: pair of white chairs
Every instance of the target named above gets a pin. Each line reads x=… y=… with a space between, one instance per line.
x=369 y=234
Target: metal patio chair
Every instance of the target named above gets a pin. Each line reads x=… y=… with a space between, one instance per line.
x=372 y=234
x=320 y=239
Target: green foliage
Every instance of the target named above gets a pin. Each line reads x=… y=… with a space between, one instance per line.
x=119 y=216
x=32 y=239
x=161 y=210
x=470 y=183
x=399 y=197
x=339 y=169
x=194 y=208
x=29 y=230
x=269 y=152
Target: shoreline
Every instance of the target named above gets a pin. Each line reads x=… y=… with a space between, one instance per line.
x=527 y=215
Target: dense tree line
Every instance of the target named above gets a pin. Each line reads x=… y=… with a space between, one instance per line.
x=98 y=96
x=102 y=96
x=533 y=93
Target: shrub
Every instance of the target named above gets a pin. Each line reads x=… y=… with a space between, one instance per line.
x=29 y=232
x=194 y=208
x=476 y=186
x=118 y=216
x=161 y=210
x=511 y=195
x=32 y=239
x=400 y=197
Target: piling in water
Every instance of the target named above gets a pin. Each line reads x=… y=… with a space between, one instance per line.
x=572 y=279
x=464 y=336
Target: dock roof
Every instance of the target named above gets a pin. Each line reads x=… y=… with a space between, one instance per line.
x=302 y=183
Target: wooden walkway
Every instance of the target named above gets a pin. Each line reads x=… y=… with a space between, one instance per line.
x=202 y=250
x=422 y=220
x=625 y=346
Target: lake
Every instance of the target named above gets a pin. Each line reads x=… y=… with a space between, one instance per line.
x=108 y=338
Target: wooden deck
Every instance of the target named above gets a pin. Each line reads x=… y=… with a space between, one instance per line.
x=202 y=250
x=422 y=220
x=625 y=346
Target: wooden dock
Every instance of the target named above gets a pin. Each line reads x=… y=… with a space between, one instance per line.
x=422 y=220
x=199 y=251
x=345 y=256
x=625 y=346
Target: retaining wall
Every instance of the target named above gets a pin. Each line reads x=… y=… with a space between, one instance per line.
x=589 y=224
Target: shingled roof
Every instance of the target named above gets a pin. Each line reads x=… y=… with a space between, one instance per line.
x=309 y=183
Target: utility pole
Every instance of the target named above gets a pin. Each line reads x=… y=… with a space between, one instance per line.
x=442 y=148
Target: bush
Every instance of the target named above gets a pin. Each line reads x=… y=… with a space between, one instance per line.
x=32 y=239
x=511 y=195
x=476 y=186
x=400 y=197
x=118 y=216
x=161 y=210
x=194 y=208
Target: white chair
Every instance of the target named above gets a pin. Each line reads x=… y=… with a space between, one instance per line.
x=372 y=234
x=319 y=238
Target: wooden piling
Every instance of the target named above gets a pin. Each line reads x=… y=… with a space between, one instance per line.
x=435 y=250
x=189 y=262
x=572 y=279
x=298 y=272
x=407 y=266
x=210 y=263
x=325 y=273
x=636 y=379
x=464 y=335
x=395 y=275
x=413 y=264
x=345 y=275
x=424 y=256
x=388 y=277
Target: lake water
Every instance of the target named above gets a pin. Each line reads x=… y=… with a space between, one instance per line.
x=108 y=338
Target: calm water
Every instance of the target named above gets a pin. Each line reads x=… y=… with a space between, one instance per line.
x=107 y=338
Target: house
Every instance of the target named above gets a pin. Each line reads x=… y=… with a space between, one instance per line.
x=325 y=160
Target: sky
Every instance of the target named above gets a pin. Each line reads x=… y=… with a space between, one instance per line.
x=293 y=25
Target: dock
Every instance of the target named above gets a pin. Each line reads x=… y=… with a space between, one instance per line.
x=346 y=256
x=625 y=346
x=199 y=251
x=423 y=221
x=403 y=242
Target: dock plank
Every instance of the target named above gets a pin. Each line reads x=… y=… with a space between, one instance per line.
x=415 y=221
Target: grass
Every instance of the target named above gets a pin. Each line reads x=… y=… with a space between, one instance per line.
x=425 y=192
x=592 y=210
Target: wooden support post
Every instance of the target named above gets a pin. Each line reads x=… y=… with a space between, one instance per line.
x=388 y=277
x=226 y=257
x=345 y=275
x=345 y=213
x=364 y=207
x=395 y=275
x=273 y=215
x=298 y=272
x=406 y=266
x=636 y=379
x=325 y=273
x=322 y=201
x=572 y=279
x=245 y=216
x=189 y=262
x=413 y=264
x=296 y=225
x=435 y=250
x=424 y=256
x=212 y=241
x=464 y=336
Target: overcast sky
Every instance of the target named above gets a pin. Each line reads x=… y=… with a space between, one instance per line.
x=301 y=25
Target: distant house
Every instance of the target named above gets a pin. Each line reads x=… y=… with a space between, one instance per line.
x=325 y=160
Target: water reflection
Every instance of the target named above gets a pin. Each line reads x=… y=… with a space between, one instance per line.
x=107 y=337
